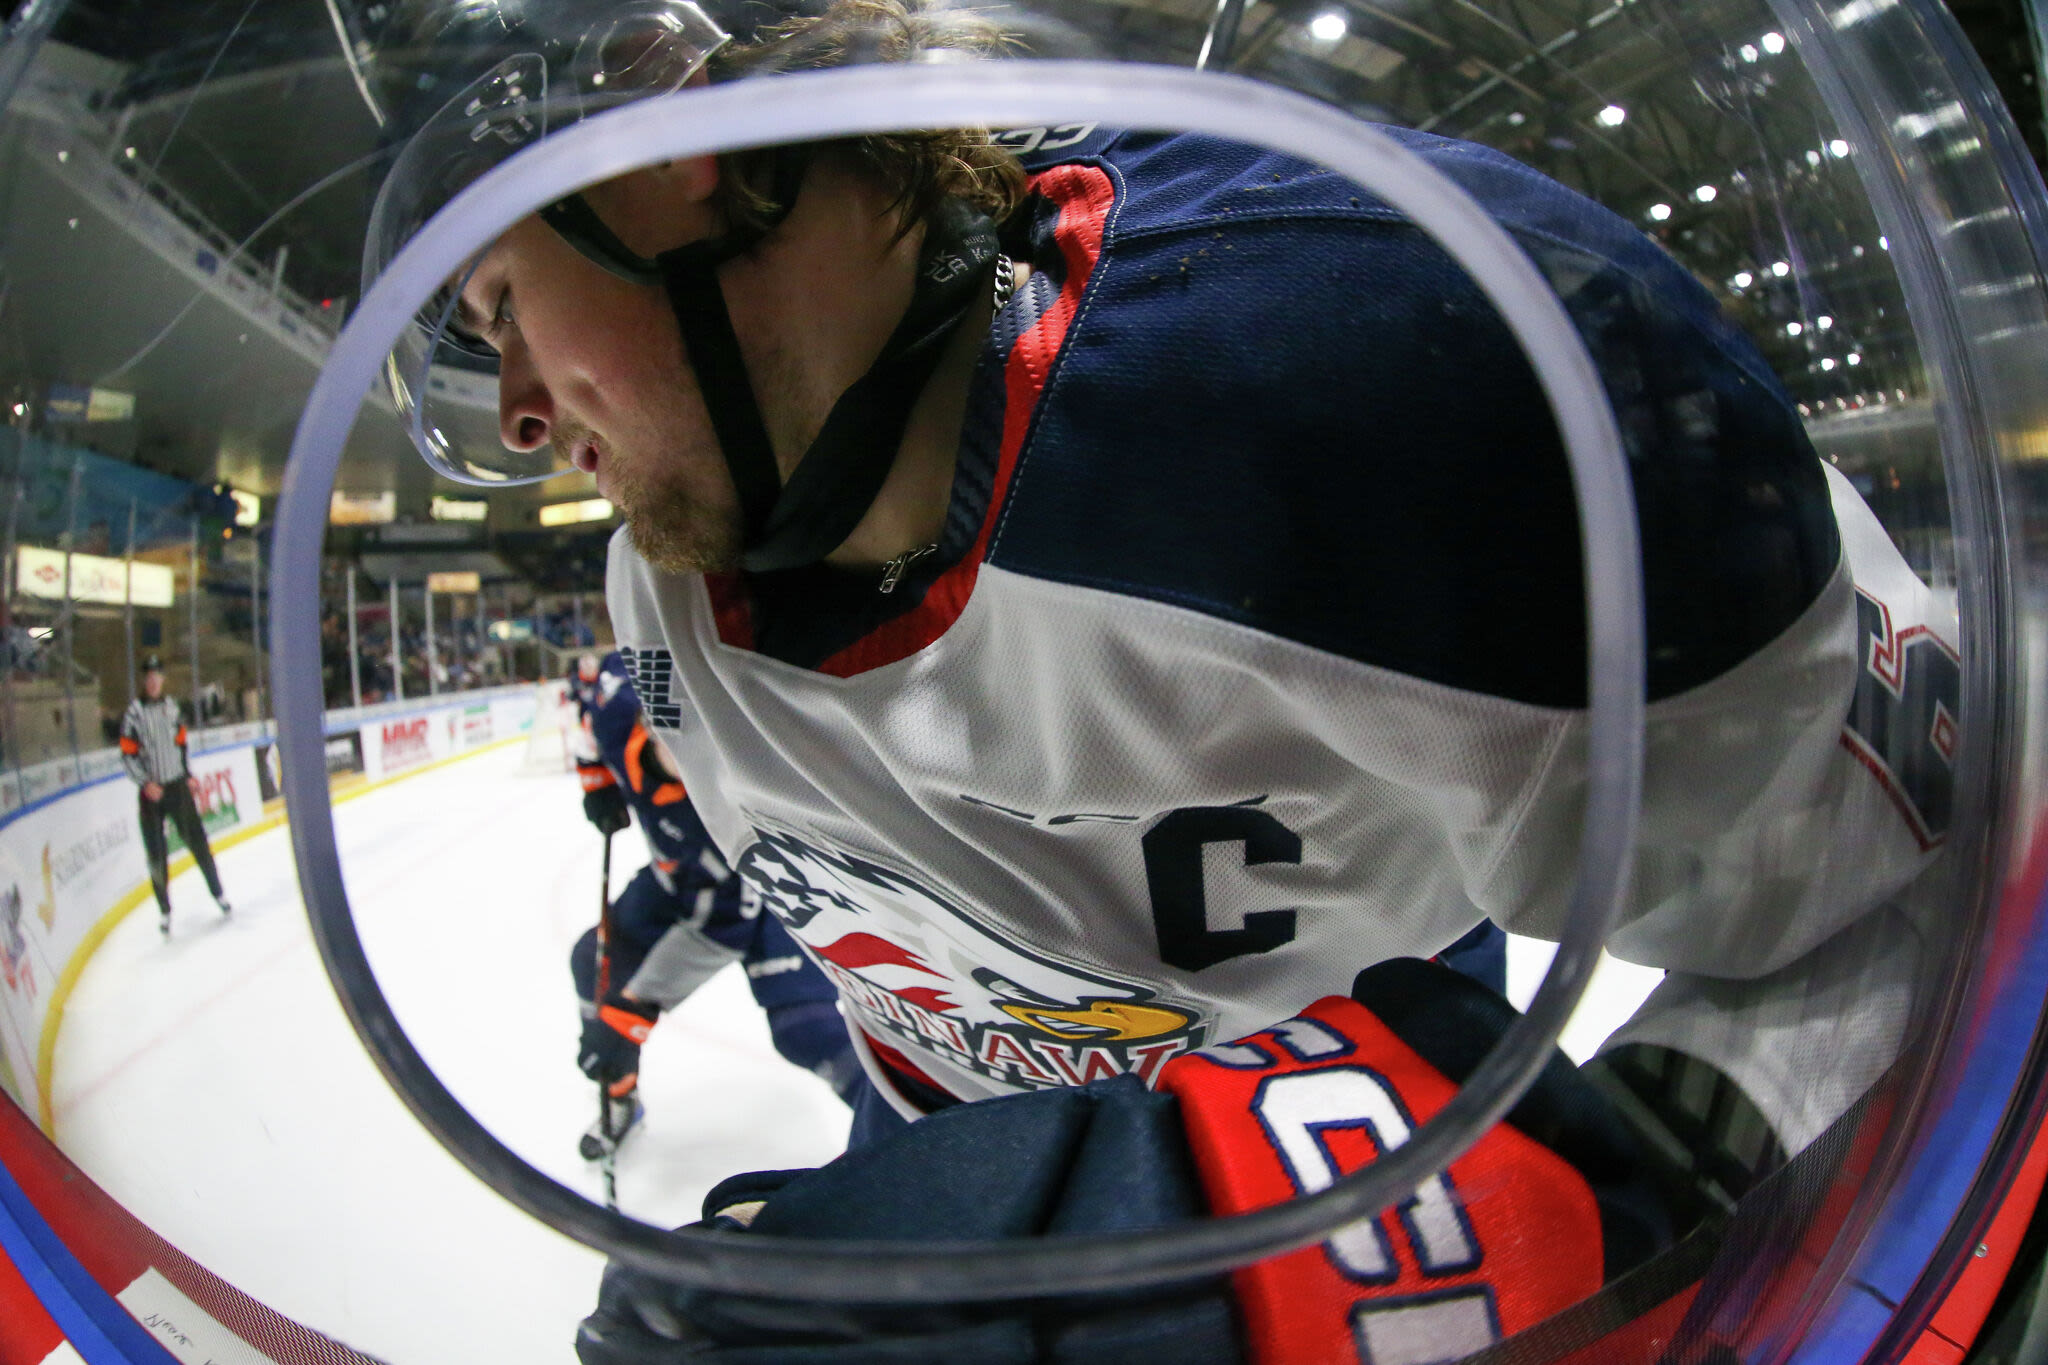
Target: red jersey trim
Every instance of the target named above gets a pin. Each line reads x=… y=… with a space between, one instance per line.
x=1084 y=196
x=893 y=1060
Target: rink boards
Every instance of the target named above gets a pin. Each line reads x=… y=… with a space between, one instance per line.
x=71 y=862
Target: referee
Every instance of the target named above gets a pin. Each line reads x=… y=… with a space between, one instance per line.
x=153 y=748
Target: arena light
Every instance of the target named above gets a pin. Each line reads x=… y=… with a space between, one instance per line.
x=1780 y=269
x=1823 y=322
x=1773 y=43
x=248 y=507
x=1743 y=279
x=1328 y=26
x=1749 y=52
x=458 y=509
x=1660 y=211
x=1838 y=148
x=1705 y=194
x=362 y=509
x=575 y=513
x=1613 y=116
x=1793 y=329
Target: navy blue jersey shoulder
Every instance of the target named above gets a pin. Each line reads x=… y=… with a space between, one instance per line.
x=1283 y=404
x=675 y=832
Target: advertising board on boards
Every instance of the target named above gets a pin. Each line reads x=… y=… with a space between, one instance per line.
x=226 y=790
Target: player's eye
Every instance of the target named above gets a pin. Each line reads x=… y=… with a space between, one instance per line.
x=501 y=317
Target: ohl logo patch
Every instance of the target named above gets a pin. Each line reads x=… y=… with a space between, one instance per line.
x=918 y=972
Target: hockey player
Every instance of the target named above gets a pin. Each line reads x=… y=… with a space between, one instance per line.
x=1120 y=652
x=582 y=684
x=681 y=919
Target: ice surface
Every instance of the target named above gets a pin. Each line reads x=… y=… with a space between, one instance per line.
x=213 y=1085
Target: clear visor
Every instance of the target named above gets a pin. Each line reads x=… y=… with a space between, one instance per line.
x=443 y=381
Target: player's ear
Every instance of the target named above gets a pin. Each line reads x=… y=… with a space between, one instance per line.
x=694 y=178
x=661 y=206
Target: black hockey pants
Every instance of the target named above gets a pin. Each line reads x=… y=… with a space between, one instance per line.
x=177 y=804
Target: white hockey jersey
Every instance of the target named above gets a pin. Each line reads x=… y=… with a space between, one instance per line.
x=1072 y=807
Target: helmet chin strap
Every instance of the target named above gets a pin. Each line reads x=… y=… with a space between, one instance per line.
x=788 y=525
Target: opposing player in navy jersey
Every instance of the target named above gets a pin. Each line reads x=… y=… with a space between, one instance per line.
x=1117 y=596
x=582 y=684
x=682 y=918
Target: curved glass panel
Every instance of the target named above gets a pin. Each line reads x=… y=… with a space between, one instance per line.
x=1252 y=649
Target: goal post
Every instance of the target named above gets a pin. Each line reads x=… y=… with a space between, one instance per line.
x=548 y=747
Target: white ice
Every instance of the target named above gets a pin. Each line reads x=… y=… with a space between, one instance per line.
x=213 y=1086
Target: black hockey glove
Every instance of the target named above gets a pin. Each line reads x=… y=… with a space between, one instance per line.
x=1530 y=1220
x=605 y=807
x=610 y=1050
x=1104 y=1159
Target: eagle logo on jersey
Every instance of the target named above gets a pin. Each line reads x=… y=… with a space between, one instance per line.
x=915 y=969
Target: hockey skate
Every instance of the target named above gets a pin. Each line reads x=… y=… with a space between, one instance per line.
x=163 y=924
x=603 y=1137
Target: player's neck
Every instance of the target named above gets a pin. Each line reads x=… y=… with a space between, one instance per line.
x=910 y=511
x=813 y=308
x=815 y=303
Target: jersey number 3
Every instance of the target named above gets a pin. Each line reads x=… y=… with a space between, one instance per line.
x=1298 y=1111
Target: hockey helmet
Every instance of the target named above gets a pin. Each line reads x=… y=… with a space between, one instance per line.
x=469 y=86
x=521 y=75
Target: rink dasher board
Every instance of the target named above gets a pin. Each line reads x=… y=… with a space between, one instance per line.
x=72 y=864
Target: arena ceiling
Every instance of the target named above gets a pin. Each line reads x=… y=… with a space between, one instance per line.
x=1694 y=121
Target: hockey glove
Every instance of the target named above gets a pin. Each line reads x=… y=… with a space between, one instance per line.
x=610 y=1051
x=1099 y=1160
x=1527 y=1222
x=605 y=807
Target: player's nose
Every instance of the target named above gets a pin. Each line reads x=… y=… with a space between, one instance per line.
x=526 y=414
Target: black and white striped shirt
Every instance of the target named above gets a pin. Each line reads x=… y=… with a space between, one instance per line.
x=153 y=741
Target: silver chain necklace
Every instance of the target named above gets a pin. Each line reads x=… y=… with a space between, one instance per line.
x=892 y=572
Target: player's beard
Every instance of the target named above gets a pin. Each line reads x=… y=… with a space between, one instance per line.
x=673 y=530
x=677 y=494
x=673 y=525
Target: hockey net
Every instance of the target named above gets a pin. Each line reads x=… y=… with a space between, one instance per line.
x=549 y=740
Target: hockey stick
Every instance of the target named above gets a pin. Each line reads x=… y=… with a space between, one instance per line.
x=610 y=1162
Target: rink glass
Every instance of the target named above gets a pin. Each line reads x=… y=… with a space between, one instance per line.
x=1857 y=145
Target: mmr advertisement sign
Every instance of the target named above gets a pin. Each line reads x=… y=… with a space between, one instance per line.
x=398 y=743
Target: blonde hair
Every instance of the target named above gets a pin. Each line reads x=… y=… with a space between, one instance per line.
x=919 y=169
